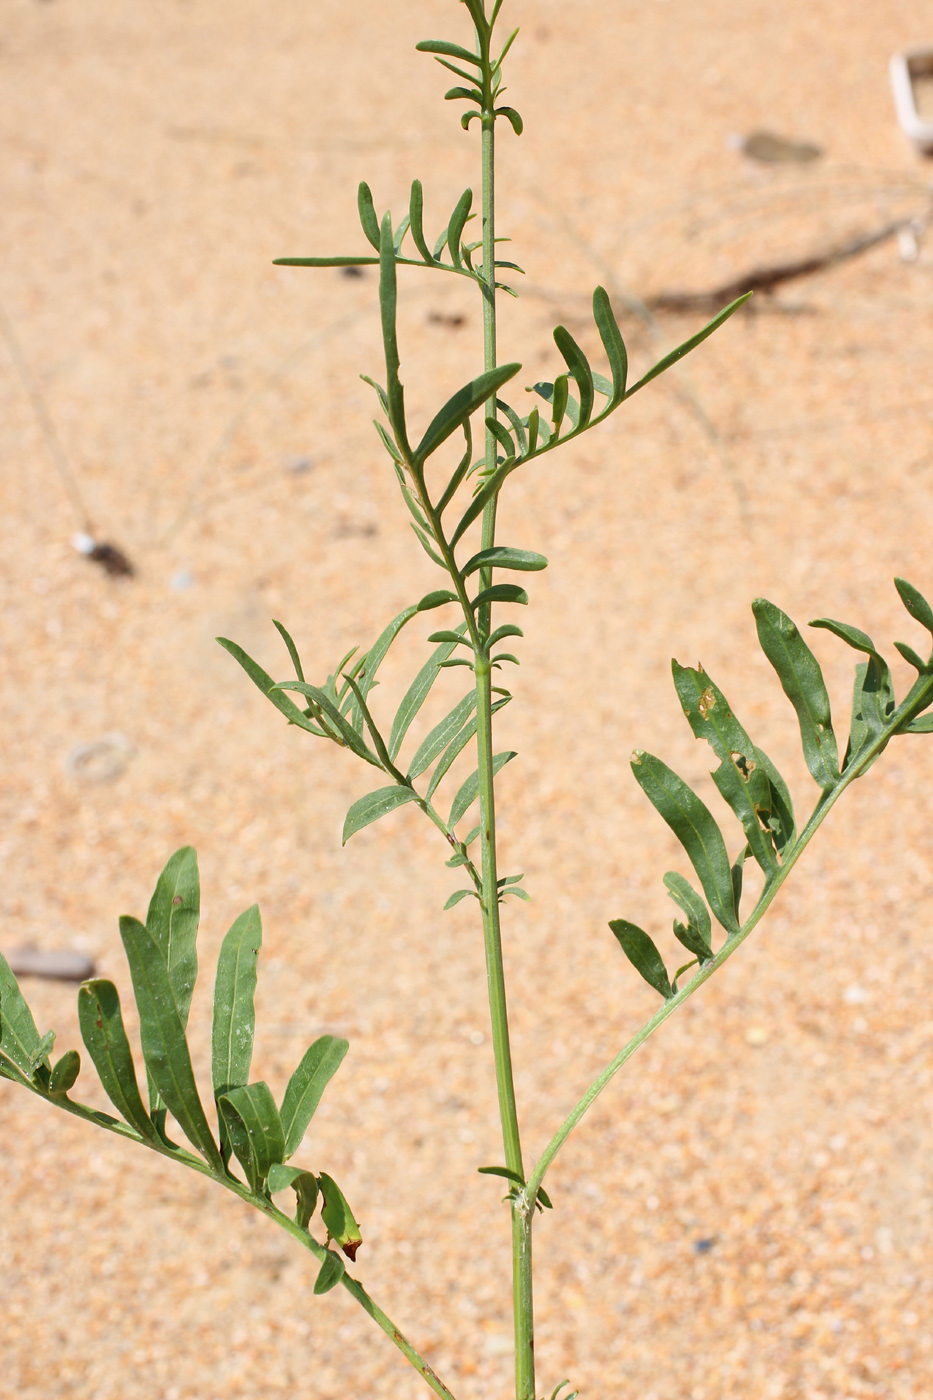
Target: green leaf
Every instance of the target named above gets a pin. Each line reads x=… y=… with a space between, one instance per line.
x=436 y=599
x=374 y=805
x=448 y=637
x=461 y=213
x=377 y=652
x=500 y=593
x=613 y=344
x=802 y=680
x=234 y=1021
x=505 y=1172
x=418 y=692
x=292 y=649
x=561 y=404
x=674 y=355
x=476 y=507
x=457 y=895
x=643 y=955
x=104 y=1035
x=782 y=822
x=470 y=789
x=19 y=1038
x=738 y=872
x=330 y=1273
x=579 y=367
x=513 y=117
x=503 y=437
x=416 y=216
x=303 y=1183
x=367 y=211
x=441 y=735
x=460 y=406
x=174 y=911
x=338 y=1217
x=325 y=262
x=318 y=1066
x=428 y=548
x=874 y=699
x=39 y=1060
x=400 y=233
x=341 y=731
x=361 y=707
x=162 y=1034
x=864 y=726
x=695 y=828
x=696 y=935
x=388 y=297
x=260 y=678
x=503 y=556
x=508 y=629
x=254 y=1130
x=460 y=471
x=741 y=777
x=455 y=747
x=922 y=725
x=472 y=95
x=915 y=603
x=65 y=1074
x=911 y=657
x=451 y=50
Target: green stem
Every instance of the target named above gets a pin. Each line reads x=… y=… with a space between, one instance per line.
x=492 y=936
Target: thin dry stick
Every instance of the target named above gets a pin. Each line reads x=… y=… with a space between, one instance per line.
x=766 y=278
x=39 y=406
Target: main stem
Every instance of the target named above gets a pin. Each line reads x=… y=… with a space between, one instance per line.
x=495 y=974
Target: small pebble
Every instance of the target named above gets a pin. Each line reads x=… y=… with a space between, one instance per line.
x=59 y=964
x=100 y=760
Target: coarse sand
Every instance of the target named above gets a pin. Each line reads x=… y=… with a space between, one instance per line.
x=747 y=1212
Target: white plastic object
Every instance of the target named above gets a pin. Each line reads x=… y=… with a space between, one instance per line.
x=906 y=69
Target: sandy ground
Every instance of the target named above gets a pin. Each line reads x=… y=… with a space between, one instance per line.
x=156 y=158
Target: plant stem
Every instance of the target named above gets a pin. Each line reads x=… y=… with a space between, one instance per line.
x=495 y=975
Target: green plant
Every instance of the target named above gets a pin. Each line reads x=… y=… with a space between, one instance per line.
x=454 y=517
